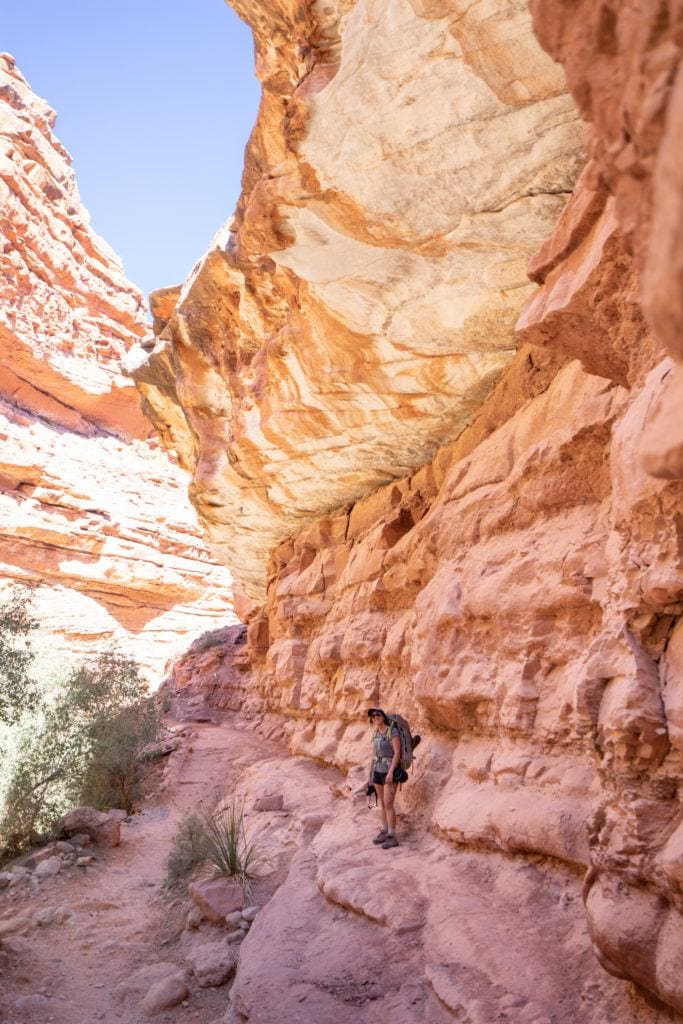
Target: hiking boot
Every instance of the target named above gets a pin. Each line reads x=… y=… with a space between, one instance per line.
x=389 y=842
x=380 y=838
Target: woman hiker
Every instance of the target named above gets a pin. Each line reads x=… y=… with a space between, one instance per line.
x=387 y=759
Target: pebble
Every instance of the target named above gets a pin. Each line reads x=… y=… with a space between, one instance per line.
x=249 y=913
x=43 y=917
x=195 y=917
x=47 y=868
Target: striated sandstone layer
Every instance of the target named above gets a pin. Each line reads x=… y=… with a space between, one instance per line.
x=362 y=303
x=93 y=514
x=623 y=65
x=518 y=593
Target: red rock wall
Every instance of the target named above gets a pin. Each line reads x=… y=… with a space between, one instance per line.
x=519 y=596
x=520 y=602
x=360 y=305
x=93 y=513
x=623 y=66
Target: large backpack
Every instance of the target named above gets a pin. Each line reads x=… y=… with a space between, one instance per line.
x=408 y=741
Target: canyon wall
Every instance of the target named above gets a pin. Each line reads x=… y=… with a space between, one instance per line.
x=362 y=304
x=467 y=480
x=93 y=514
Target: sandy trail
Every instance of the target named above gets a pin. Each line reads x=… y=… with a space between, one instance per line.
x=427 y=933
x=119 y=923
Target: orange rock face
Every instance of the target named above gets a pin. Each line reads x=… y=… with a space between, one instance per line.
x=93 y=514
x=517 y=592
x=623 y=66
x=362 y=303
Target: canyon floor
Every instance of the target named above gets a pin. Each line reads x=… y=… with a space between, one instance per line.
x=346 y=932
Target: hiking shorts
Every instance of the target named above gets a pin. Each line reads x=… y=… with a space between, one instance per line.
x=380 y=778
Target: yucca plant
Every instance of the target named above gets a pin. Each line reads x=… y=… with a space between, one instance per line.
x=227 y=846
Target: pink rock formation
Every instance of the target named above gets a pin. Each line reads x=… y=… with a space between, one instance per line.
x=362 y=303
x=623 y=67
x=93 y=514
x=517 y=593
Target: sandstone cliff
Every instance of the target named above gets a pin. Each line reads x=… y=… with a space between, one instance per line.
x=362 y=303
x=93 y=514
x=515 y=586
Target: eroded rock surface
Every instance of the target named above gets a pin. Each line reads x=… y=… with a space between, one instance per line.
x=362 y=303
x=623 y=65
x=518 y=593
x=92 y=511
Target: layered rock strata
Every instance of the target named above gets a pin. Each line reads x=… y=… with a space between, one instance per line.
x=517 y=595
x=93 y=514
x=623 y=66
x=361 y=305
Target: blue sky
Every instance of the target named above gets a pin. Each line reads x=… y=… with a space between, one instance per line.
x=155 y=100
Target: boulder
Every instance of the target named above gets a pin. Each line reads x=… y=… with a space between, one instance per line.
x=47 y=868
x=216 y=899
x=213 y=963
x=142 y=982
x=103 y=828
x=165 y=993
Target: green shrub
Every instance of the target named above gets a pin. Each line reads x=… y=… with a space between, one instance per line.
x=188 y=850
x=19 y=693
x=86 y=746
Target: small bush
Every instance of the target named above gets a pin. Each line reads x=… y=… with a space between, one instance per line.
x=188 y=850
x=86 y=746
x=19 y=693
x=212 y=638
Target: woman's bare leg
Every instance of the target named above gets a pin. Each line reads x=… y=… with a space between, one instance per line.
x=388 y=812
x=379 y=790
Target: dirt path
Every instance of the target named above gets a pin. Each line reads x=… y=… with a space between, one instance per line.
x=348 y=933
x=66 y=972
